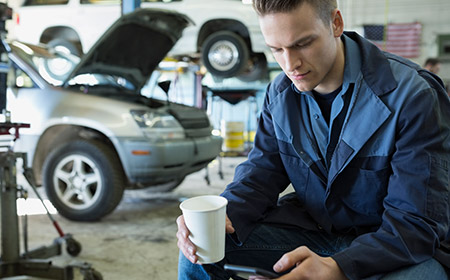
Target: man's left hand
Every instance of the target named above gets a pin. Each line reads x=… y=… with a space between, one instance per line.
x=309 y=265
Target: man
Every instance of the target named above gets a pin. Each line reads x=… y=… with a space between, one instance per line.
x=363 y=136
x=433 y=65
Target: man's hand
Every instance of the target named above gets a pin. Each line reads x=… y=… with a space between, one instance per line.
x=185 y=244
x=309 y=265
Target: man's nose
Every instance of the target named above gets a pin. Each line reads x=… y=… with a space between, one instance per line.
x=292 y=60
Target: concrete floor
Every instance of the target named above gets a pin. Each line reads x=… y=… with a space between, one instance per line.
x=137 y=241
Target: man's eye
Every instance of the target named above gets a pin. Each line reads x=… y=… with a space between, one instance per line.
x=304 y=45
x=276 y=50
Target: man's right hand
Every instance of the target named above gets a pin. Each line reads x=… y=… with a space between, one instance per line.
x=185 y=244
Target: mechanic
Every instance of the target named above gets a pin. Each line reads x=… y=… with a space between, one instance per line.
x=363 y=136
x=433 y=65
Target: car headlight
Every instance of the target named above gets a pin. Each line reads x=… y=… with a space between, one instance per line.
x=158 y=126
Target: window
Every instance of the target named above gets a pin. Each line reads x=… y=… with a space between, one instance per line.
x=100 y=2
x=118 y=1
x=158 y=1
x=444 y=45
x=45 y=2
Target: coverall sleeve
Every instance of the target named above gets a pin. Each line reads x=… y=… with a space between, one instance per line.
x=258 y=181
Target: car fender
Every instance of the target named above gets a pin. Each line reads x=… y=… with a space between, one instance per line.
x=58 y=131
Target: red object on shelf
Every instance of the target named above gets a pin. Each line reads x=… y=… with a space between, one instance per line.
x=6 y=127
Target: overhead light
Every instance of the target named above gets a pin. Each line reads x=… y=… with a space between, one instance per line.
x=33 y=206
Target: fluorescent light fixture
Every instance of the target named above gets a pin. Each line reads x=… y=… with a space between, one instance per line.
x=33 y=206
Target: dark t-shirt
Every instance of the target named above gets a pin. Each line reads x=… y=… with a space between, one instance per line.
x=325 y=101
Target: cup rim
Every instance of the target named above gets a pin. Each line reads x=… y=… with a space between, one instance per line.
x=214 y=208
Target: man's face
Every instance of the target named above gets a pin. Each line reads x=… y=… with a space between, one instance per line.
x=307 y=50
x=435 y=68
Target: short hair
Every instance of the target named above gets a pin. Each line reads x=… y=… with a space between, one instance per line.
x=323 y=8
x=432 y=61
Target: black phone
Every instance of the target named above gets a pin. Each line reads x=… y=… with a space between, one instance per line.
x=247 y=271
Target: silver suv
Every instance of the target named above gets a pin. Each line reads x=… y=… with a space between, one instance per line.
x=92 y=133
x=226 y=33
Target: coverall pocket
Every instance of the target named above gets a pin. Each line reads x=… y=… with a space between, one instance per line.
x=364 y=190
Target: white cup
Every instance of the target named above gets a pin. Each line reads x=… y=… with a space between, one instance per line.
x=205 y=218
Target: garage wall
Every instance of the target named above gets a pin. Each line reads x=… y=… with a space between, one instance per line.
x=433 y=14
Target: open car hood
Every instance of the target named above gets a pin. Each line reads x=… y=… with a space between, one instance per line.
x=134 y=45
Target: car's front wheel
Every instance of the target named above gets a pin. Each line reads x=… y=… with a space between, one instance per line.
x=225 y=54
x=84 y=180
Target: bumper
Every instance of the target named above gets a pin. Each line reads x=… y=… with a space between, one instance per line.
x=167 y=160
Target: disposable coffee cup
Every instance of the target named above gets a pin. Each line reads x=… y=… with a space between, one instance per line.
x=205 y=218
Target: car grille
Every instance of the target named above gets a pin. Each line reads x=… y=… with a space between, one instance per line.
x=194 y=123
x=189 y=117
x=195 y=133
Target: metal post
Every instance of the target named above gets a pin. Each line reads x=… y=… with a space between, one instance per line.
x=10 y=233
x=130 y=5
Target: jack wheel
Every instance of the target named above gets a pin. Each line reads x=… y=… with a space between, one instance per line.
x=92 y=274
x=73 y=247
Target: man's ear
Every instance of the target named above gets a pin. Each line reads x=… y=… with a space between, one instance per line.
x=337 y=23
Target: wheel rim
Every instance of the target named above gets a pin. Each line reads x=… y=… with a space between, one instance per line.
x=60 y=66
x=77 y=182
x=223 y=55
x=63 y=49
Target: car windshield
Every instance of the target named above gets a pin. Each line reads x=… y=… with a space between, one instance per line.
x=55 y=66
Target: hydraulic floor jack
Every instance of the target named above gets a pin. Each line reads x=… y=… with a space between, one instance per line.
x=33 y=263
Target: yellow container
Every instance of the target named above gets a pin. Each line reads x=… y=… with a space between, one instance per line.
x=233 y=136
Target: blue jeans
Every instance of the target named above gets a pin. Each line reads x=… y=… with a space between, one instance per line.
x=266 y=244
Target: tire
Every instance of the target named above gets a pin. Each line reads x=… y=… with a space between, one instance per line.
x=65 y=46
x=60 y=68
x=92 y=274
x=257 y=69
x=73 y=247
x=225 y=54
x=84 y=180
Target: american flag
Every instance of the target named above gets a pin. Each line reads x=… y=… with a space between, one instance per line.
x=399 y=38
